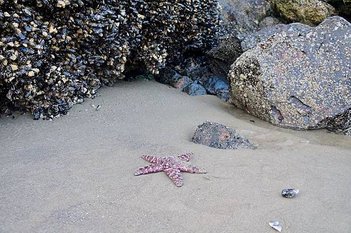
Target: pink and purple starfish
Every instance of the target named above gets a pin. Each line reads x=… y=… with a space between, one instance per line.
x=171 y=165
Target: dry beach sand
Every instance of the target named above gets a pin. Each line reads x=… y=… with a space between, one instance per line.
x=75 y=174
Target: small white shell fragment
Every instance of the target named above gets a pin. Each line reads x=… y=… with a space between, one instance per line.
x=97 y=108
x=276 y=225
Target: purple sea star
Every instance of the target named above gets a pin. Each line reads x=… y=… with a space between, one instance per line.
x=171 y=165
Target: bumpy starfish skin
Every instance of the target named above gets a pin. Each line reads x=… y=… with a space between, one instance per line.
x=171 y=165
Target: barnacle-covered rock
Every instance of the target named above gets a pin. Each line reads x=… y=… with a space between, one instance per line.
x=55 y=53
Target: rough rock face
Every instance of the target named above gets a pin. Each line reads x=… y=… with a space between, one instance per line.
x=268 y=21
x=298 y=78
x=217 y=85
x=195 y=77
x=224 y=54
x=255 y=38
x=341 y=123
x=238 y=20
x=310 y=12
x=219 y=136
x=195 y=89
x=243 y=17
x=54 y=53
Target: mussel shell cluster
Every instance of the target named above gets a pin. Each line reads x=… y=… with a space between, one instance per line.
x=54 y=53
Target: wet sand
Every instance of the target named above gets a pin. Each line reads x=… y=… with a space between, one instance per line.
x=75 y=174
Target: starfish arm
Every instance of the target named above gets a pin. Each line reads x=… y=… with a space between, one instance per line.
x=192 y=169
x=152 y=168
x=185 y=157
x=175 y=175
x=152 y=159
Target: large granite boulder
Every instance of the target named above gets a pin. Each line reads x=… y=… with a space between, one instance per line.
x=299 y=77
x=309 y=12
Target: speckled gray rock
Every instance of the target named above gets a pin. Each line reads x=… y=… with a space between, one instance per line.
x=268 y=22
x=220 y=136
x=298 y=78
x=262 y=35
x=239 y=19
x=243 y=17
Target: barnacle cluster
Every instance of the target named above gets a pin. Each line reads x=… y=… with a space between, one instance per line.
x=53 y=53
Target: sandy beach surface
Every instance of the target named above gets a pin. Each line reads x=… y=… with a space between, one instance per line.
x=75 y=174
